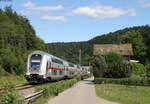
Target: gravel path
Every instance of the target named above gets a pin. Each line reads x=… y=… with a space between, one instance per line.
x=81 y=93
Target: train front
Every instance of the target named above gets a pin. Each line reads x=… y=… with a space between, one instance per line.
x=34 y=68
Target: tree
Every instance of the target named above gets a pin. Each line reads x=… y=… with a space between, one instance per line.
x=99 y=66
x=116 y=68
x=137 y=40
x=112 y=58
x=7 y=60
x=17 y=40
x=137 y=68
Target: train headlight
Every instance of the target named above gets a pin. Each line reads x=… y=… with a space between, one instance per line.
x=44 y=77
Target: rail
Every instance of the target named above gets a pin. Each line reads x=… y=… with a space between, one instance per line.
x=20 y=87
x=32 y=97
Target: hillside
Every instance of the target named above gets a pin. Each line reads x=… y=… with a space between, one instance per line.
x=138 y=36
x=17 y=40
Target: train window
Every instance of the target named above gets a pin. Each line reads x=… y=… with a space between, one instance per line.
x=49 y=64
x=78 y=66
x=57 y=61
x=61 y=72
x=54 y=72
x=71 y=65
x=35 y=62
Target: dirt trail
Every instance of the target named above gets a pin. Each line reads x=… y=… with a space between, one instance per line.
x=81 y=93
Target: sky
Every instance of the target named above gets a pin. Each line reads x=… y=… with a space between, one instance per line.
x=80 y=20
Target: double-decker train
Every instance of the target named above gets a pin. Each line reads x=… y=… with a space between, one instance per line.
x=43 y=67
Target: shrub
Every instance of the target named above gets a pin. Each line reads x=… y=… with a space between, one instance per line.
x=111 y=65
x=10 y=63
x=112 y=58
x=137 y=69
x=3 y=72
x=7 y=60
x=10 y=95
x=99 y=66
x=118 y=70
x=124 y=81
x=53 y=89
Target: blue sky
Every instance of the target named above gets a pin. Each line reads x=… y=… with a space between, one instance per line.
x=81 y=20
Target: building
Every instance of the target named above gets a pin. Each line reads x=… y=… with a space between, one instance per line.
x=125 y=50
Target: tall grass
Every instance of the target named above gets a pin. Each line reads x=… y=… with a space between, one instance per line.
x=12 y=79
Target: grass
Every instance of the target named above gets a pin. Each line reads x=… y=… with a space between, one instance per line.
x=124 y=94
x=12 y=79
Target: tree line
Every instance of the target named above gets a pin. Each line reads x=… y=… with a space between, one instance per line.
x=138 y=36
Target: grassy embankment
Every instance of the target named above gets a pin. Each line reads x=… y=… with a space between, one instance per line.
x=124 y=94
x=12 y=79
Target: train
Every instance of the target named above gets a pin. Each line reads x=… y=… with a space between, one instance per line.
x=43 y=67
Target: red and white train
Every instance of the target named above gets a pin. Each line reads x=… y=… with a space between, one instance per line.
x=42 y=66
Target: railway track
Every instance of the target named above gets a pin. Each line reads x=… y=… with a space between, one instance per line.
x=20 y=87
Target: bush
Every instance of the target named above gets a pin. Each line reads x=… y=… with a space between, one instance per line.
x=124 y=81
x=10 y=63
x=3 y=72
x=118 y=70
x=7 y=60
x=137 y=69
x=116 y=67
x=111 y=65
x=112 y=58
x=99 y=66
x=53 y=89
x=10 y=95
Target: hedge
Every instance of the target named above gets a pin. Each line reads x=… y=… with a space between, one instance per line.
x=124 y=81
x=53 y=89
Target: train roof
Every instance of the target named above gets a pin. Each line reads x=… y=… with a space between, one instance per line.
x=44 y=53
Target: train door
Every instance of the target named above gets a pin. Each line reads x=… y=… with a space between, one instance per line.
x=65 y=70
x=48 y=68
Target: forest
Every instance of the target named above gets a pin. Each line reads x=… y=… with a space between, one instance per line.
x=17 y=40
x=138 y=36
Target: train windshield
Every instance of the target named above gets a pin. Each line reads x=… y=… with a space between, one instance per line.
x=35 y=62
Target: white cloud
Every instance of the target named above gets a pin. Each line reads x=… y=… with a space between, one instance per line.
x=145 y=3
x=25 y=12
x=53 y=18
x=31 y=6
x=101 y=12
